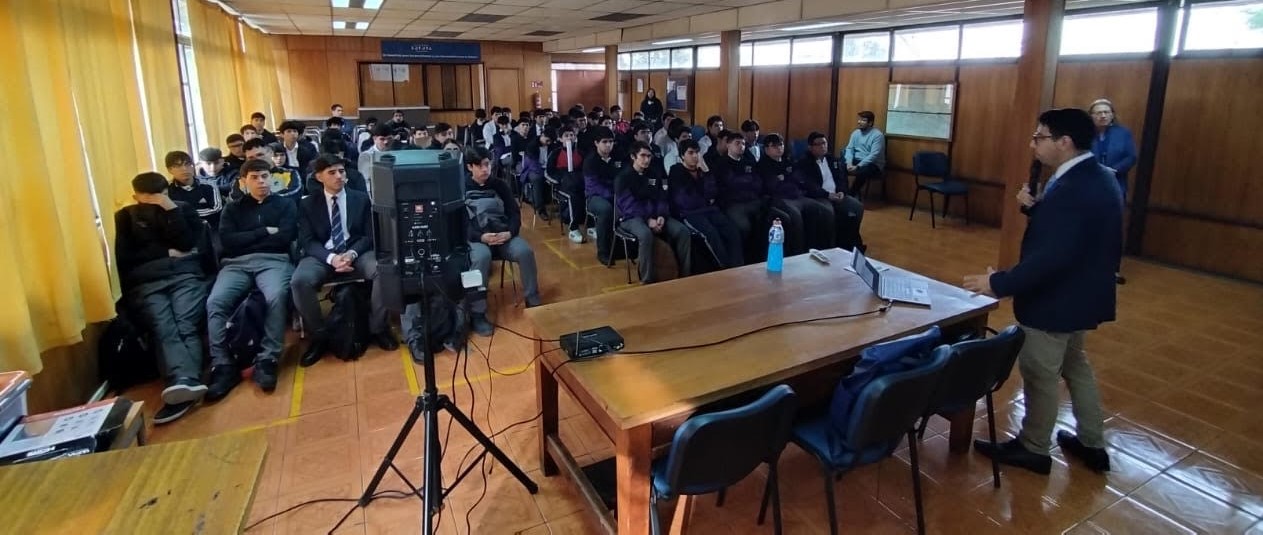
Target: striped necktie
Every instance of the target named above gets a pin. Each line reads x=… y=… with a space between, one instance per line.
x=335 y=227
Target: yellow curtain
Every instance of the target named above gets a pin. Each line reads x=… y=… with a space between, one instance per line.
x=214 y=35
x=257 y=81
x=153 y=27
x=52 y=265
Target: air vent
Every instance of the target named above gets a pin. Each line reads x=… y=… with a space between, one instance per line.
x=543 y=33
x=617 y=17
x=440 y=33
x=480 y=17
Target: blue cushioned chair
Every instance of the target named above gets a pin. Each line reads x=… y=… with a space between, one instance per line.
x=975 y=370
x=937 y=165
x=698 y=131
x=797 y=149
x=713 y=451
x=865 y=424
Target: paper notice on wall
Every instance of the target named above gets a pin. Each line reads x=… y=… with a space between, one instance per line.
x=640 y=85
x=401 y=73
x=682 y=92
x=379 y=72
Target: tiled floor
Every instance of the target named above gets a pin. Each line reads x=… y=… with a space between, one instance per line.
x=1180 y=372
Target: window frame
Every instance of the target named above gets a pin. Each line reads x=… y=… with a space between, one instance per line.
x=894 y=43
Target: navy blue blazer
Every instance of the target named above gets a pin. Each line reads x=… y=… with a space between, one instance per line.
x=314 y=223
x=1064 y=281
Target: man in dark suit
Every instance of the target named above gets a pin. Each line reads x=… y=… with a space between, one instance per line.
x=335 y=232
x=297 y=155
x=1062 y=286
x=824 y=180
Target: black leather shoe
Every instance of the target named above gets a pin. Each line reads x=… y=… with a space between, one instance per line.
x=1015 y=454
x=315 y=351
x=1095 y=458
x=222 y=380
x=1120 y=279
x=386 y=341
x=265 y=375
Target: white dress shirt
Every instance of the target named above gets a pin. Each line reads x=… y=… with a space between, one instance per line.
x=1061 y=169
x=826 y=175
x=291 y=155
x=346 y=232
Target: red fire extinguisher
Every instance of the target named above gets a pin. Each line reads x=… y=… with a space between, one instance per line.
x=537 y=101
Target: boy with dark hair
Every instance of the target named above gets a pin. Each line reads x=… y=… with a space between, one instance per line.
x=600 y=169
x=297 y=155
x=711 y=142
x=236 y=152
x=644 y=211
x=741 y=194
x=212 y=169
x=257 y=231
x=825 y=179
x=568 y=169
x=248 y=131
x=534 y=158
x=750 y=129
x=397 y=121
x=475 y=128
x=442 y=133
x=489 y=128
x=258 y=120
x=660 y=137
x=865 y=153
x=810 y=223
x=693 y=194
x=621 y=126
x=365 y=139
x=164 y=283
x=185 y=187
x=494 y=224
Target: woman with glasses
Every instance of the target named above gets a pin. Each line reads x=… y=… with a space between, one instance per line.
x=1114 y=147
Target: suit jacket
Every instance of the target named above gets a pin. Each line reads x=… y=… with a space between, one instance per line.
x=314 y=224
x=1064 y=281
x=813 y=182
x=306 y=154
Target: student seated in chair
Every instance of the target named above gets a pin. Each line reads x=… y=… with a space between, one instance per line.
x=534 y=158
x=693 y=201
x=712 y=142
x=442 y=133
x=824 y=179
x=865 y=153
x=335 y=234
x=741 y=193
x=236 y=155
x=257 y=231
x=599 y=171
x=494 y=224
x=677 y=133
x=810 y=223
x=164 y=283
x=568 y=170
x=335 y=148
x=645 y=212
x=297 y=155
x=287 y=181
x=186 y=188
x=213 y=169
x=259 y=121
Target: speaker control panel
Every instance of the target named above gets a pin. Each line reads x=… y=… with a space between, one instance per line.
x=419 y=239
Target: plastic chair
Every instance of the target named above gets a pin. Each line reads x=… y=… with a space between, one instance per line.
x=626 y=238
x=711 y=452
x=937 y=164
x=976 y=370
x=798 y=148
x=884 y=412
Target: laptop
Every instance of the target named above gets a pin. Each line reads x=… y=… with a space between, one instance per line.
x=890 y=287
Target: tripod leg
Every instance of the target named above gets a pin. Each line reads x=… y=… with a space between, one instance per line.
x=472 y=428
x=433 y=470
x=389 y=459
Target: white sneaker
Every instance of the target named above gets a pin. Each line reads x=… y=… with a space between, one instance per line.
x=592 y=233
x=576 y=236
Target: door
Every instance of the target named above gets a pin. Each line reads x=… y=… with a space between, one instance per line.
x=504 y=88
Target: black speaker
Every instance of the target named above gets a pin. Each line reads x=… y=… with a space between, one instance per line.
x=419 y=203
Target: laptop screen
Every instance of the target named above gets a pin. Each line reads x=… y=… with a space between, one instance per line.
x=864 y=269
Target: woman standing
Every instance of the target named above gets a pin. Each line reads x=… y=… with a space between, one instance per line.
x=1114 y=147
x=651 y=106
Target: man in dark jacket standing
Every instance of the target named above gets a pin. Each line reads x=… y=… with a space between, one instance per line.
x=1062 y=286
x=163 y=281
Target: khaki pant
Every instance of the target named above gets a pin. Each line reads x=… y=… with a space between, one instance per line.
x=1047 y=357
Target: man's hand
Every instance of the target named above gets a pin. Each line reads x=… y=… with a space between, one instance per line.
x=654 y=225
x=502 y=238
x=173 y=253
x=489 y=238
x=342 y=263
x=1025 y=198
x=837 y=195
x=273 y=230
x=980 y=284
x=850 y=168
x=156 y=199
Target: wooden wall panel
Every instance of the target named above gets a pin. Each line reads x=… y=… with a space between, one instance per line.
x=536 y=68
x=376 y=93
x=502 y=84
x=637 y=86
x=452 y=117
x=342 y=80
x=770 y=90
x=574 y=87
x=658 y=81
x=1220 y=248
x=983 y=100
x=434 y=86
x=809 y=92
x=860 y=88
x=409 y=92
x=465 y=87
x=309 y=83
x=930 y=74
x=1208 y=149
x=706 y=90
x=744 y=89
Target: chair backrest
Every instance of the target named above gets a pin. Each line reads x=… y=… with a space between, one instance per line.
x=882 y=359
x=977 y=367
x=931 y=164
x=890 y=405
x=716 y=450
x=797 y=148
x=698 y=131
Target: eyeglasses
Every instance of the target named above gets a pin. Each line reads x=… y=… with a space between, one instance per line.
x=1035 y=138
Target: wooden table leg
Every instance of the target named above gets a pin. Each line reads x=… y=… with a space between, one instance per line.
x=962 y=431
x=633 y=452
x=546 y=392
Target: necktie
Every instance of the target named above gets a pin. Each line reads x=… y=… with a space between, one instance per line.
x=335 y=227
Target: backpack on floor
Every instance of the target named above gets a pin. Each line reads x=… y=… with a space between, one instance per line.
x=125 y=355
x=348 y=333
x=246 y=329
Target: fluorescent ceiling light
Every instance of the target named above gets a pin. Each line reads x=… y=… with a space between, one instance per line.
x=593 y=49
x=361 y=25
x=813 y=26
x=341 y=3
x=344 y=25
x=372 y=4
x=339 y=25
x=672 y=42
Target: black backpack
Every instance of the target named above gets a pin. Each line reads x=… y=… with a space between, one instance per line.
x=348 y=332
x=245 y=329
x=125 y=355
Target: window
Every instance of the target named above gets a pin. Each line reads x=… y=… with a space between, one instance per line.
x=659 y=59
x=193 y=119
x=991 y=40
x=1128 y=32
x=771 y=53
x=927 y=44
x=682 y=58
x=708 y=57
x=624 y=61
x=1224 y=26
x=861 y=47
x=639 y=61
x=578 y=66
x=812 y=50
x=747 y=54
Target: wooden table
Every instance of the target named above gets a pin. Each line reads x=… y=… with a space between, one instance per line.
x=195 y=486
x=638 y=400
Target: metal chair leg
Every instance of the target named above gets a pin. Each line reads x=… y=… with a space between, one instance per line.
x=995 y=465
x=719 y=500
x=932 y=225
x=655 y=523
x=829 y=500
x=925 y=421
x=916 y=483
x=776 y=497
x=767 y=489
x=915 y=196
x=966 y=209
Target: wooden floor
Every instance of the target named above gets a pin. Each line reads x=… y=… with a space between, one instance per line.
x=1180 y=372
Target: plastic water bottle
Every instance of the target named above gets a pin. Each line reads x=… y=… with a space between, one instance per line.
x=775 y=247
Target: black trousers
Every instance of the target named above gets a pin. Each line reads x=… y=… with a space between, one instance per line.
x=861 y=174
